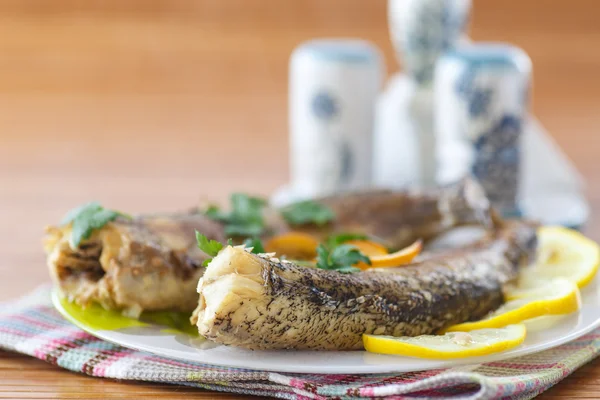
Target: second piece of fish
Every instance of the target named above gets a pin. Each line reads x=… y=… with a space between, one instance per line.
x=399 y=218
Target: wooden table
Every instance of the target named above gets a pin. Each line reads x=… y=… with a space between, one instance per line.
x=151 y=105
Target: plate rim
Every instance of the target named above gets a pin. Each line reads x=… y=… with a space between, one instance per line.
x=353 y=369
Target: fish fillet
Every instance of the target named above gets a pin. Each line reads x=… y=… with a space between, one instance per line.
x=260 y=302
x=148 y=263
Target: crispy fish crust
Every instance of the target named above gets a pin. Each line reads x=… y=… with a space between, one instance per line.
x=152 y=262
x=260 y=302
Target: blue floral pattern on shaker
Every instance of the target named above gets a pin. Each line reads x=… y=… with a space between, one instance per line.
x=497 y=162
x=324 y=106
x=434 y=27
x=503 y=135
x=454 y=24
x=479 y=102
x=478 y=99
x=347 y=163
x=464 y=83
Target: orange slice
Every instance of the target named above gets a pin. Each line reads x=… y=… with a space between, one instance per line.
x=396 y=259
x=368 y=248
x=295 y=245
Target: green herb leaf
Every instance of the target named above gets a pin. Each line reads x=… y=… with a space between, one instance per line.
x=323 y=257
x=74 y=213
x=210 y=247
x=245 y=218
x=336 y=240
x=247 y=208
x=102 y=217
x=341 y=258
x=307 y=212
x=213 y=212
x=86 y=219
x=346 y=254
x=256 y=244
x=248 y=229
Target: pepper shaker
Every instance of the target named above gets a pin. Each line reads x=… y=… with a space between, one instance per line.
x=481 y=93
x=333 y=87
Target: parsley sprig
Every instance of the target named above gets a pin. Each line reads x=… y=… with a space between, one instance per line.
x=210 y=247
x=245 y=218
x=340 y=258
x=255 y=244
x=213 y=247
x=85 y=219
x=336 y=240
x=307 y=212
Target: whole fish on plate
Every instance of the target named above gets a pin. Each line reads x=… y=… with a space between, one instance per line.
x=152 y=262
x=261 y=302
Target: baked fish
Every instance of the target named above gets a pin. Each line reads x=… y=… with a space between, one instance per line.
x=152 y=262
x=261 y=302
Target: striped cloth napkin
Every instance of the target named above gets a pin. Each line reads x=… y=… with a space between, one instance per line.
x=31 y=326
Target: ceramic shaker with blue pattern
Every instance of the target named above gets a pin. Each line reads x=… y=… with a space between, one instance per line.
x=333 y=88
x=421 y=30
x=481 y=95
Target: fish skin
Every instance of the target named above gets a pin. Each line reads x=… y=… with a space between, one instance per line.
x=275 y=304
x=400 y=218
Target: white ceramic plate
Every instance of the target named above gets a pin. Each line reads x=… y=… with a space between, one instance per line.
x=168 y=343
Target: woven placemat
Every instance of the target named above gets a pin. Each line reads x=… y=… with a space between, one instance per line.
x=32 y=326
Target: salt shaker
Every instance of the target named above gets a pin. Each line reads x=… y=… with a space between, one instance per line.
x=332 y=92
x=421 y=30
x=481 y=95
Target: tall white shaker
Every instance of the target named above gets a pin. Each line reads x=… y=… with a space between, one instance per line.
x=421 y=30
x=482 y=96
x=333 y=87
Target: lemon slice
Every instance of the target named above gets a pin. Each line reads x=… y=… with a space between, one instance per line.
x=451 y=345
x=559 y=296
x=534 y=291
x=546 y=322
x=563 y=253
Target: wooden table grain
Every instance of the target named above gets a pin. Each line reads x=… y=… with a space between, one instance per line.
x=151 y=105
